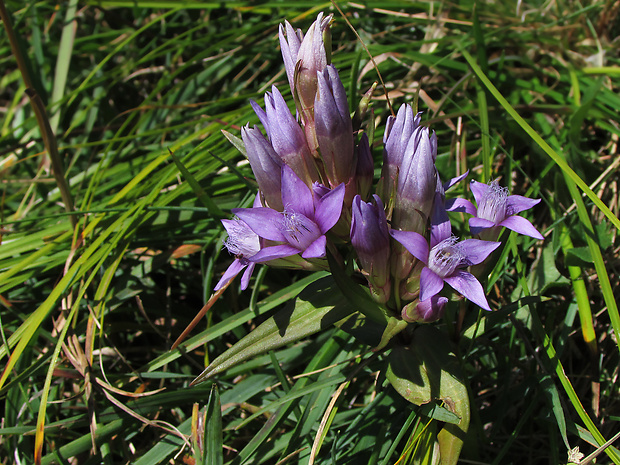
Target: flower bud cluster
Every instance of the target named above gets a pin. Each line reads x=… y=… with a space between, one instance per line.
x=315 y=176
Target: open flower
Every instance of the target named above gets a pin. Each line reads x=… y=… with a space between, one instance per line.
x=444 y=261
x=243 y=243
x=497 y=209
x=301 y=227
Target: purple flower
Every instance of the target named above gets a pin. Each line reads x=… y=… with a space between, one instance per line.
x=301 y=227
x=497 y=209
x=425 y=311
x=371 y=240
x=417 y=182
x=444 y=260
x=243 y=243
x=333 y=127
x=398 y=131
x=304 y=56
x=265 y=164
x=286 y=136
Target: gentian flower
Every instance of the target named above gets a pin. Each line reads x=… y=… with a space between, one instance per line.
x=301 y=227
x=417 y=182
x=286 y=136
x=443 y=262
x=243 y=243
x=304 y=57
x=333 y=127
x=496 y=209
x=398 y=131
x=265 y=164
x=425 y=311
x=371 y=240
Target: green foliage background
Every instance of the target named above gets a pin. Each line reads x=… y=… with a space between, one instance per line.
x=526 y=91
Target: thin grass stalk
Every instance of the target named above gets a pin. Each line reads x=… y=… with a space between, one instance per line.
x=597 y=258
x=40 y=428
x=581 y=296
x=49 y=139
x=63 y=61
x=536 y=137
x=539 y=330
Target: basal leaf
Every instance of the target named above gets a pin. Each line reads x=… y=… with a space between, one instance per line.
x=318 y=306
x=426 y=371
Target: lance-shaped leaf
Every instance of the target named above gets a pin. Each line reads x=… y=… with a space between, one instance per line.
x=427 y=371
x=317 y=307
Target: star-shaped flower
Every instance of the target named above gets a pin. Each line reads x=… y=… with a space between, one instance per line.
x=444 y=261
x=496 y=209
x=243 y=243
x=301 y=227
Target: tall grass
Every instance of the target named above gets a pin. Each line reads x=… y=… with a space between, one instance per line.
x=137 y=93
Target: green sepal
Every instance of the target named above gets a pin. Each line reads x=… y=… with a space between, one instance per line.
x=236 y=141
x=426 y=371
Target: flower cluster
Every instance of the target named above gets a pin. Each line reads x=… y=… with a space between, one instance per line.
x=314 y=171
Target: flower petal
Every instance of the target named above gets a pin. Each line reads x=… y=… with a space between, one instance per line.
x=296 y=196
x=233 y=270
x=316 y=249
x=518 y=203
x=522 y=226
x=329 y=208
x=262 y=115
x=478 y=189
x=264 y=221
x=468 y=286
x=476 y=250
x=415 y=243
x=476 y=225
x=441 y=228
x=245 y=279
x=274 y=252
x=461 y=205
x=430 y=284
x=453 y=181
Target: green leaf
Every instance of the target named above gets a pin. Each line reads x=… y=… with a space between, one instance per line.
x=427 y=371
x=214 y=210
x=578 y=256
x=213 y=451
x=317 y=307
x=546 y=274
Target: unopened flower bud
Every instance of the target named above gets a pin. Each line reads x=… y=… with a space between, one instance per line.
x=371 y=240
x=398 y=131
x=286 y=136
x=425 y=311
x=417 y=182
x=334 y=131
x=265 y=164
x=365 y=169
